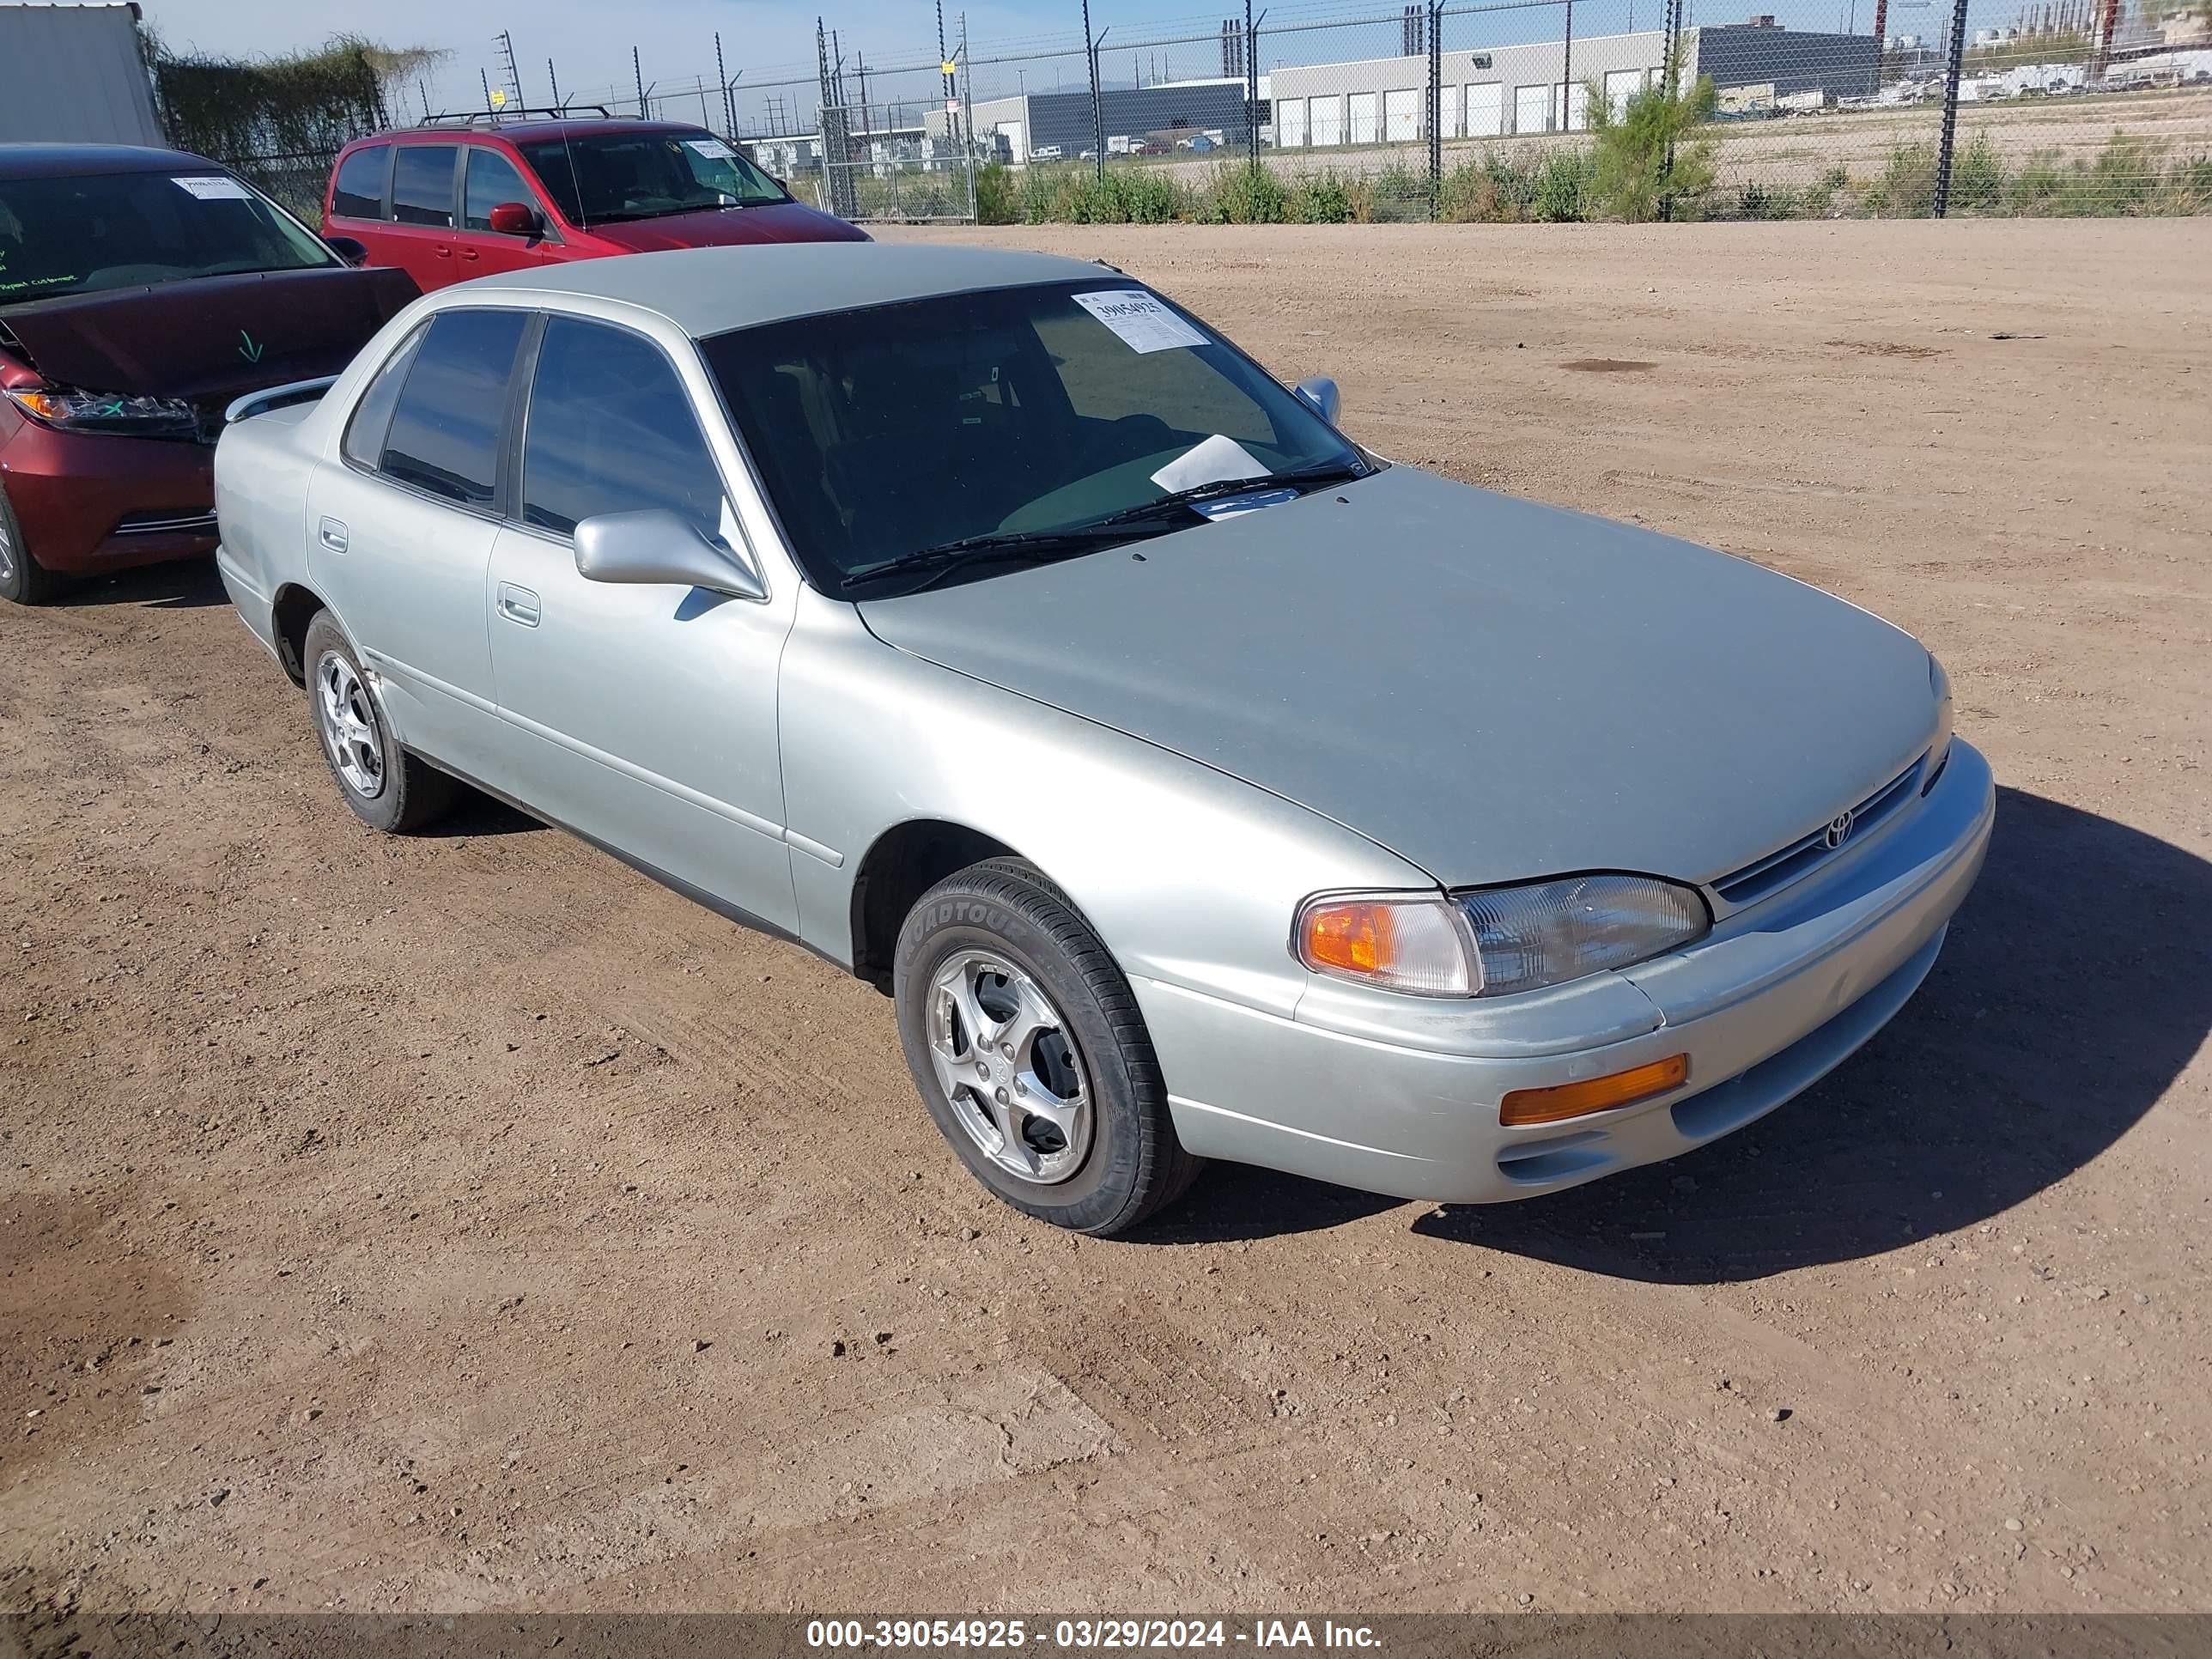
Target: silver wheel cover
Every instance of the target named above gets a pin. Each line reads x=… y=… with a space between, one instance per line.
x=347 y=721
x=1004 y=1057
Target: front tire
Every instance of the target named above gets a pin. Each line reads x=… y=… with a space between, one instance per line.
x=1028 y=1049
x=23 y=580
x=388 y=788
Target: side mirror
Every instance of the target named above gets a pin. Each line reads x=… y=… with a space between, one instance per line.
x=659 y=547
x=1319 y=393
x=353 y=252
x=516 y=219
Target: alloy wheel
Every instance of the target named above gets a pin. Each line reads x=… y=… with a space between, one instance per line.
x=348 y=720
x=1002 y=1054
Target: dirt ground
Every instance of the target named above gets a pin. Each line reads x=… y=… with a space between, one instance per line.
x=464 y=1223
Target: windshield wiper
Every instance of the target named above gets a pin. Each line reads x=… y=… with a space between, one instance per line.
x=1320 y=472
x=1026 y=546
x=1040 y=546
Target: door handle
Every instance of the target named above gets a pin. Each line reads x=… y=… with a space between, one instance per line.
x=331 y=534
x=444 y=252
x=468 y=254
x=518 y=605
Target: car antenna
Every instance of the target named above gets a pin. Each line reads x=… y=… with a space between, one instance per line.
x=575 y=178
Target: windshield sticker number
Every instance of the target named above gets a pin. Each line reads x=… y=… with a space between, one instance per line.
x=1143 y=323
x=712 y=148
x=209 y=187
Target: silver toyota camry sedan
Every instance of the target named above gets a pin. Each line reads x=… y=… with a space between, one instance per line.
x=1198 y=783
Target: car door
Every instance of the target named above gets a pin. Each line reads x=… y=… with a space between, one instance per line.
x=419 y=240
x=400 y=526
x=643 y=716
x=489 y=179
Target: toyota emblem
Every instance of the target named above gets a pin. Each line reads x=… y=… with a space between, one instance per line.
x=1839 y=831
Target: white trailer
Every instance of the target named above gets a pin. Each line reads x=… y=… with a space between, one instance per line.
x=72 y=75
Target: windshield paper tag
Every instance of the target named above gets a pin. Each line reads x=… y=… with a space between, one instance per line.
x=712 y=148
x=209 y=187
x=1143 y=323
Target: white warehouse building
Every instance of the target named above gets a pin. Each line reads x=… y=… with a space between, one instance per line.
x=1494 y=92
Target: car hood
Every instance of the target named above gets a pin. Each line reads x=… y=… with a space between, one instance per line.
x=210 y=337
x=781 y=221
x=1494 y=690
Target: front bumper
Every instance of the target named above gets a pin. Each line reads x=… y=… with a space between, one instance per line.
x=93 y=501
x=1765 y=1005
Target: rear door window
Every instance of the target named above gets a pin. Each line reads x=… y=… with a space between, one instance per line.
x=492 y=180
x=612 y=430
x=358 y=193
x=422 y=184
x=445 y=426
x=363 y=444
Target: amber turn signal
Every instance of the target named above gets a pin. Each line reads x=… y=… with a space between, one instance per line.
x=1596 y=1094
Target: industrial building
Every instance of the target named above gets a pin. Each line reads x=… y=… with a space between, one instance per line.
x=1048 y=126
x=1537 y=86
x=1495 y=91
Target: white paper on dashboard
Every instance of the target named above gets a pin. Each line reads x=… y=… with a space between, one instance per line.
x=1143 y=323
x=1215 y=460
x=712 y=148
x=213 y=187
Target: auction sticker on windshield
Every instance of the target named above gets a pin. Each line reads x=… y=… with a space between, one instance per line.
x=712 y=148
x=211 y=187
x=1143 y=323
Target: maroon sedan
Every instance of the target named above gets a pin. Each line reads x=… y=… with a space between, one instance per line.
x=447 y=203
x=141 y=291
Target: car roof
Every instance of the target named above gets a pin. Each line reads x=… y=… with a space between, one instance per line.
x=710 y=290
x=85 y=160
x=518 y=130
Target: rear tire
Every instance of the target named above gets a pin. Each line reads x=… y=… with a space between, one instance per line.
x=1029 y=1051
x=23 y=580
x=388 y=788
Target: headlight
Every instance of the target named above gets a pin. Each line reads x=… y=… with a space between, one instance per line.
x=1498 y=941
x=1555 y=930
x=71 y=411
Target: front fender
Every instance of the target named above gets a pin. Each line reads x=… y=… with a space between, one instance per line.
x=1189 y=877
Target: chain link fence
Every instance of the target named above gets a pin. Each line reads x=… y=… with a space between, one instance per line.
x=1519 y=110
x=1544 y=110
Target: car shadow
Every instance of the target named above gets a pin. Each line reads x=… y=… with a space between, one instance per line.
x=184 y=584
x=476 y=813
x=2076 y=986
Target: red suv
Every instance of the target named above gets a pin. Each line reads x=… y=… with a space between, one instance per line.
x=450 y=201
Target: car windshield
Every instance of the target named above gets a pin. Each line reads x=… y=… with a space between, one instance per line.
x=601 y=178
x=1019 y=419
x=72 y=235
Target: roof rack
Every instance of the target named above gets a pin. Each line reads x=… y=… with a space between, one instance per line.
x=469 y=118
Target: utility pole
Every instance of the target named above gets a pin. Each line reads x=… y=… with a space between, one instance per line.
x=514 y=75
x=637 y=74
x=486 y=79
x=729 y=97
x=553 y=80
